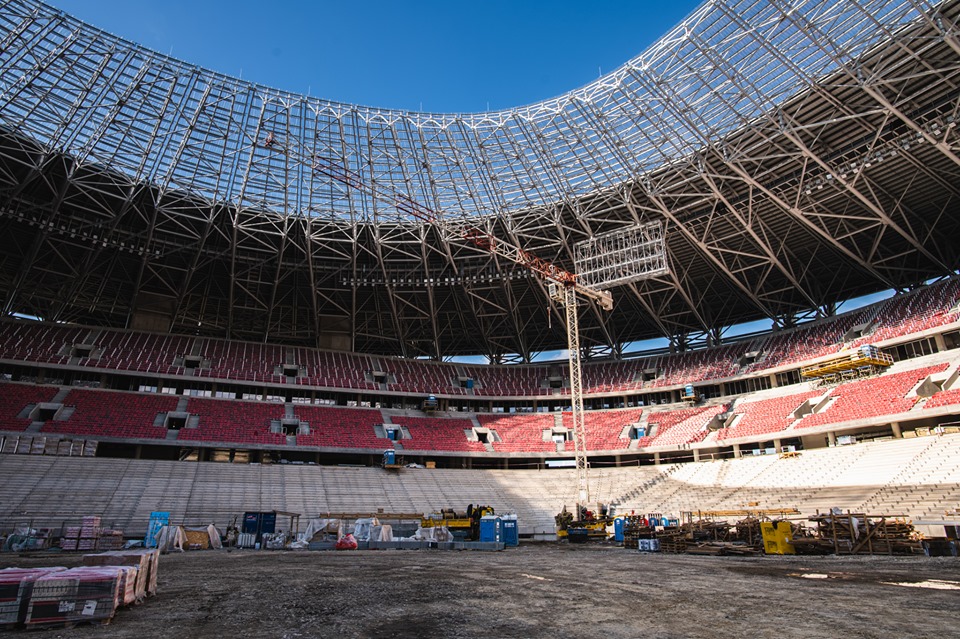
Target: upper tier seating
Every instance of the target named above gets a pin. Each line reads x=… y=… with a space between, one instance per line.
x=335 y=370
x=898 y=317
x=113 y=414
x=139 y=352
x=433 y=433
x=35 y=342
x=509 y=381
x=804 y=343
x=915 y=312
x=414 y=376
x=15 y=397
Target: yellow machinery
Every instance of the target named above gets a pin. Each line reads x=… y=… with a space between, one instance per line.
x=865 y=358
x=464 y=525
x=777 y=536
x=588 y=527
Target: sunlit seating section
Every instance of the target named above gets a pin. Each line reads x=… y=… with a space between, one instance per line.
x=520 y=433
x=762 y=416
x=871 y=397
x=679 y=426
x=944 y=398
x=604 y=428
x=916 y=312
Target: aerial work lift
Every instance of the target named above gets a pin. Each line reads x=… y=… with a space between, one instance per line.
x=610 y=259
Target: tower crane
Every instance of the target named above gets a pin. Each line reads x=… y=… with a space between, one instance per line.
x=613 y=258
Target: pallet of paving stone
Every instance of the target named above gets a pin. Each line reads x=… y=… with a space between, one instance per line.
x=16 y=585
x=78 y=595
x=145 y=561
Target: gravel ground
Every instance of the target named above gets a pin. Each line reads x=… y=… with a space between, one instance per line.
x=535 y=590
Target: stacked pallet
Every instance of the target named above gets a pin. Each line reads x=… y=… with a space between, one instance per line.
x=91 y=536
x=636 y=527
x=16 y=586
x=58 y=597
x=110 y=539
x=75 y=595
x=146 y=563
x=672 y=541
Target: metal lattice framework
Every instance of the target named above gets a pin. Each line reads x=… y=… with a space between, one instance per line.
x=797 y=153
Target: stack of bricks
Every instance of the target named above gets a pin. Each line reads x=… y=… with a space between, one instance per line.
x=89 y=533
x=71 y=537
x=110 y=539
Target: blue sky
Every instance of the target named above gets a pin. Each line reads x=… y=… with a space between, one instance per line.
x=441 y=56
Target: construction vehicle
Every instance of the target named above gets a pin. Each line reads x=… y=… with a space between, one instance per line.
x=463 y=525
x=590 y=525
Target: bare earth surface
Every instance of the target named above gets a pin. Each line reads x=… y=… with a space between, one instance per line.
x=535 y=590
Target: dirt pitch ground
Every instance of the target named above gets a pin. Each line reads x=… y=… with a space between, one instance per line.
x=537 y=590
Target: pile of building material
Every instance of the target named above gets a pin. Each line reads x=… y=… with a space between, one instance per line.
x=635 y=528
x=91 y=536
x=60 y=597
x=859 y=533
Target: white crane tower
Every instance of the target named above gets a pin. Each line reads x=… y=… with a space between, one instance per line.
x=605 y=260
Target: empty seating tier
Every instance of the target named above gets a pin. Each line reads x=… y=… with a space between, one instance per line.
x=431 y=433
x=871 y=397
x=223 y=420
x=16 y=397
x=113 y=414
x=520 y=433
x=341 y=427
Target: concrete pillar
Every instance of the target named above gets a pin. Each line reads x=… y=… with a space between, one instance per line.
x=941 y=343
x=773 y=380
x=777 y=444
x=895 y=427
x=832 y=438
x=696 y=454
x=736 y=451
x=656 y=459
